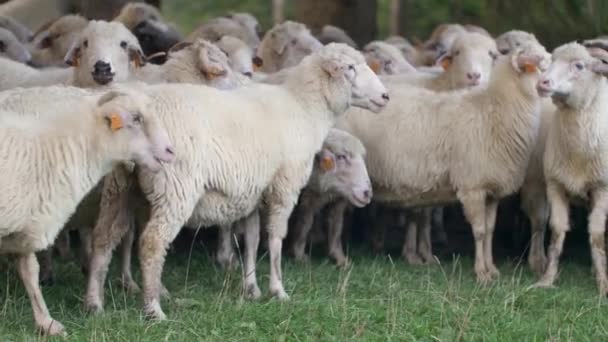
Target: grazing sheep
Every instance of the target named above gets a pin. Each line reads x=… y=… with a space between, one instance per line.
x=513 y=39
x=103 y=53
x=439 y=140
x=22 y=33
x=386 y=59
x=576 y=152
x=53 y=41
x=70 y=153
x=237 y=177
x=12 y=48
x=285 y=45
x=468 y=63
x=217 y=28
x=339 y=176
x=333 y=34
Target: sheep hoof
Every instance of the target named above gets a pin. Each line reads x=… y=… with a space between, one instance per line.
x=130 y=285
x=153 y=311
x=252 y=291
x=93 y=307
x=280 y=294
x=52 y=328
x=413 y=259
x=484 y=278
x=493 y=271
x=543 y=284
x=342 y=262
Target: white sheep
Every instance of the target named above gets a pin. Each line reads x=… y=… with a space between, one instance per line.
x=576 y=152
x=235 y=25
x=426 y=147
x=53 y=161
x=339 y=176
x=22 y=33
x=12 y=48
x=236 y=177
x=510 y=40
x=334 y=34
x=34 y=13
x=51 y=43
x=15 y=74
x=386 y=59
x=240 y=55
x=285 y=45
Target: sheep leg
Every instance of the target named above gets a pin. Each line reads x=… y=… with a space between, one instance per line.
x=62 y=243
x=597 y=231
x=411 y=239
x=438 y=226
x=225 y=255
x=537 y=258
x=28 y=269
x=250 y=226
x=305 y=216
x=381 y=219
x=276 y=225
x=425 y=247
x=126 y=249
x=335 y=225
x=474 y=205
x=560 y=224
x=491 y=209
x=86 y=248
x=47 y=276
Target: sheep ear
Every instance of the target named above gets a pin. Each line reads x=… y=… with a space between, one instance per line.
x=526 y=64
x=72 y=58
x=209 y=66
x=600 y=67
x=375 y=65
x=327 y=160
x=445 y=61
x=137 y=56
x=334 y=68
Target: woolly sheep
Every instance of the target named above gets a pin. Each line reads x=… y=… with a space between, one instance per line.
x=133 y=13
x=236 y=26
x=241 y=57
x=576 y=152
x=15 y=74
x=407 y=49
x=88 y=140
x=339 y=176
x=333 y=34
x=22 y=33
x=12 y=48
x=304 y=108
x=248 y=21
x=52 y=42
x=34 y=13
x=439 y=42
x=438 y=158
x=510 y=40
x=386 y=59
x=285 y=45
x=103 y=53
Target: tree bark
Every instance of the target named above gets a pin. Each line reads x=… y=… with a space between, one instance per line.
x=278 y=11
x=356 y=17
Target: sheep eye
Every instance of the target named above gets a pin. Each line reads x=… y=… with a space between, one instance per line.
x=123 y=44
x=154 y=18
x=579 y=66
x=138 y=118
x=492 y=54
x=517 y=44
x=85 y=43
x=293 y=42
x=389 y=62
x=456 y=53
x=341 y=157
x=2 y=46
x=351 y=67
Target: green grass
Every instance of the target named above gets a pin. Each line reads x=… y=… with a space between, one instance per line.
x=375 y=299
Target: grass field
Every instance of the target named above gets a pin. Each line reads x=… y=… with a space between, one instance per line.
x=377 y=298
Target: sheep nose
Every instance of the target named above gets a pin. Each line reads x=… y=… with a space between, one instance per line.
x=248 y=74
x=102 y=67
x=546 y=82
x=473 y=76
x=367 y=194
x=170 y=151
x=503 y=51
x=385 y=96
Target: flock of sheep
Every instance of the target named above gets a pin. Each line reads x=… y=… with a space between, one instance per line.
x=125 y=128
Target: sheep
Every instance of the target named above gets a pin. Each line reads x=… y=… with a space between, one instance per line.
x=407 y=49
x=386 y=59
x=103 y=53
x=15 y=74
x=510 y=40
x=339 y=176
x=468 y=63
x=34 y=13
x=333 y=34
x=88 y=141
x=240 y=56
x=147 y=24
x=438 y=156
x=439 y=42
x=22 y=33
x=53 y=41
x=12 y=48
x=237 y=25
x=576 y=151
x=285 y=45
x=304 y=108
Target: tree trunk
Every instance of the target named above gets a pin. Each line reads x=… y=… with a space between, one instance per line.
x=356 y=17
x=278 y=11
x=394 y=17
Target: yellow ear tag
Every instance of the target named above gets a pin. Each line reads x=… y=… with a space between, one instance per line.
x=115 y=122
x=327 y=164
x=445 y=63
x=529 y=68
x=375 y=66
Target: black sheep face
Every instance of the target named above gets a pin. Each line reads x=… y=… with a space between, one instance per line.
x=156 y=36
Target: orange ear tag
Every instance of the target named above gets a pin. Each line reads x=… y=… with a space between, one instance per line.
x=115 y=122
x=375 y=66
x=445 y=63
x=529 y=68
x=327 y=163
